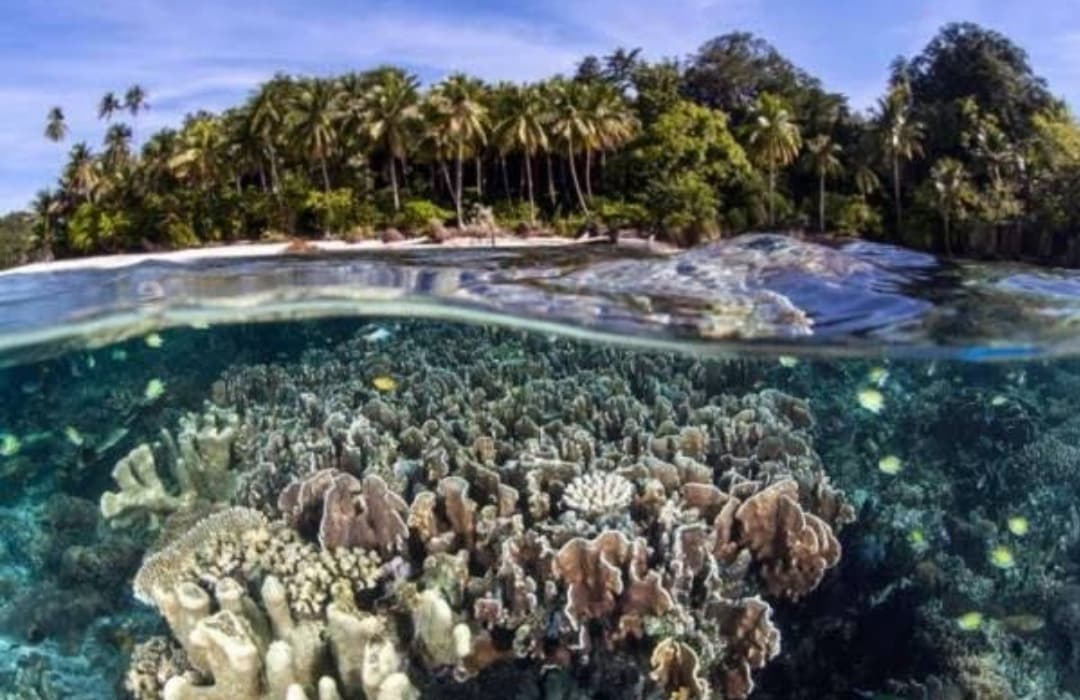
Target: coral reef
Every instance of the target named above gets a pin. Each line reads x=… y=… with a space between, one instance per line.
x=482 y=508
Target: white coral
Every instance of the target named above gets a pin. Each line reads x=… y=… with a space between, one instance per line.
x=598 y=494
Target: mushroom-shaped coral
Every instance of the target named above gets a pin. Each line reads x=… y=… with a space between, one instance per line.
x=793 y=547
x=350 y=512
x=593 y=570
x=750 y=638
x=598 y=493
x=676 y=669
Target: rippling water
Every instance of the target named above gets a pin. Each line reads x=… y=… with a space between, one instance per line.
x=765 y=468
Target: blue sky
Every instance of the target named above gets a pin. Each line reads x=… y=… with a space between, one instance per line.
x=194 y=54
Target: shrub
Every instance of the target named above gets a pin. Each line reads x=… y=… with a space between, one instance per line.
x=616 y=214
x=684 y=207
x=416 y=215
x=335 y=210
x=852 y=215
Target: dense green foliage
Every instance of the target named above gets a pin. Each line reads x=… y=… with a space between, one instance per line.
x=967 y=152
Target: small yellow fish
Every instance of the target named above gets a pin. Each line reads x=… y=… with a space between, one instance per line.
x=890 y=465
x=998 y=400
x=9 y=445
x=154 y=340
x=91 y=363
x=970 y=621
x=384 y=383
x=1018 y=525
x=155 y=388
x=119 y=355
x=872 y=400
x=73 y=436
x=917 y=538
x=878 y=376
x=787 y=361
x=1002 y=557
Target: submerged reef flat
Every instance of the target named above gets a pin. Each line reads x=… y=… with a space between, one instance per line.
x=404 y=518
x=423 y=510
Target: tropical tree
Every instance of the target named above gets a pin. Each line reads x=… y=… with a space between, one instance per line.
x=110 y=104
x=82 y=174
x=571 y=126
x=389 y=115
x=611 y=124
x=56 y=128
x=900 y=135
x=266 y=112
x=775 y=140
x=824 y=156
x=313 y=114
x=524 y=129
x=117 y=152
x=462 y=120
x=199 y=156
x=135 y=102
x=952 y=192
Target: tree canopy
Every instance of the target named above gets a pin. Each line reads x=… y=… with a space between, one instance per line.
x=967 y=152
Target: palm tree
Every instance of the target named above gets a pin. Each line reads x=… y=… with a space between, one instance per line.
x=611 y=124
x=109 y=106
x=775 y=139
x=135 y=101
x=825 y=158
x=389 y=113
x=952 y=191
x=82 y=174
x=313 y=118
x=462 y=119
x=117 y=152
x=56 y=128
x=46 y=205
x=199 y=156
x=524 y=129
x=570 y=126
x=901 y=136
x=266 y=114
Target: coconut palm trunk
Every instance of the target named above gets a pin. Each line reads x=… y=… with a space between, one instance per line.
x=460 y=172
x=551 y=180
x=821 y=201
x=479 y=178
x=588 y=173
x=574 y=176
x=772 y=195
x=505 y=177
x=896 y=191
x=325 y=175
x=394 y=185
x=529 y=184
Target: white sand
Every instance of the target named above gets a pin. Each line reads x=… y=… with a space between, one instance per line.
x=247 y=250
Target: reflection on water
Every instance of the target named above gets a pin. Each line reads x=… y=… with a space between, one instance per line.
x=777 y=292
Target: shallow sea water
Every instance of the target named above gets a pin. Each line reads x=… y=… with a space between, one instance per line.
x=766 y=469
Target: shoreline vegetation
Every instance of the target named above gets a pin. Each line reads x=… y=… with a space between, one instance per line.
x=967 y=152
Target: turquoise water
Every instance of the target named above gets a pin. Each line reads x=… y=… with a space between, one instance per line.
x=767 y=470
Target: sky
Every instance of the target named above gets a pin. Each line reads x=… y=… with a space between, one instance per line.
x=209 y=54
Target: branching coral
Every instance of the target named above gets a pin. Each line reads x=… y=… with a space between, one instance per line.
x=199 y=461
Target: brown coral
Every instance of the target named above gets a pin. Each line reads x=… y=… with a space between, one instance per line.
x=793 y=547
x=593 y=570
x=351 y=512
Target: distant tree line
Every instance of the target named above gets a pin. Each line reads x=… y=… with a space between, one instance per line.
x=967 y=152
